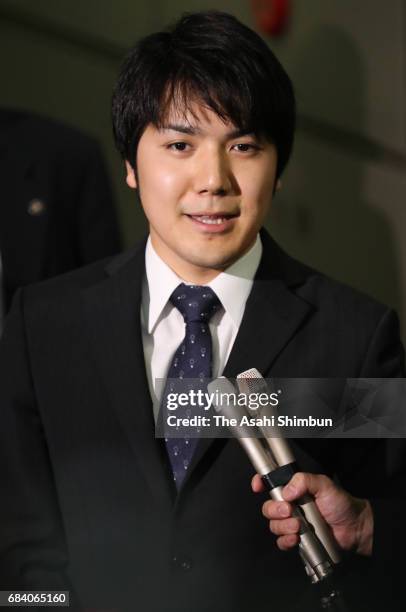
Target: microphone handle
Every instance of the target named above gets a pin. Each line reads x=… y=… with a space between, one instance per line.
x=318 y=564
x=281 y=450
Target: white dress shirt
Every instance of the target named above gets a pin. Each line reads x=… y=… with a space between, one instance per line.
x=163 y=327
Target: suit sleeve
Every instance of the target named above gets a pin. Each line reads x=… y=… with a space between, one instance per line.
x=33 y=551
x=385 y=358
x=97 y=229
x=376 y=469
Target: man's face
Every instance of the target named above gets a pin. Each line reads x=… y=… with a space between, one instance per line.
x=205 y=189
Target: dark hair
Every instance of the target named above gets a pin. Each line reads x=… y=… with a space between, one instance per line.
x=212 y=57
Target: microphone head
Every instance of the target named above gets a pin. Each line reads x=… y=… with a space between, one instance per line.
x=260 y=457
x=251 y=381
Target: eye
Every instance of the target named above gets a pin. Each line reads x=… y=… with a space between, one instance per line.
x=246 y=147
x=178 y=146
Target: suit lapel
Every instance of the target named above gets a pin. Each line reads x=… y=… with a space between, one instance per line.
x=113 y=316
x=273 y=312
x=272 y=315
x=271 y=318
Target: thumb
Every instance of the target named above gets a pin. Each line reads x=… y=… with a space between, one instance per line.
x=301 y=483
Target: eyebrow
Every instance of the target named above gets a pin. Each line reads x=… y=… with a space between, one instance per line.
x=193 y=131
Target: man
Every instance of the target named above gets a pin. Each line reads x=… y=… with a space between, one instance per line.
x=57 y=211
x=92 y=501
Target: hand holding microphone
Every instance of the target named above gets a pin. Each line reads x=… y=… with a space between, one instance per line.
x=349 y=518
x=334 y=512
x=306 y=510
x=275 y=464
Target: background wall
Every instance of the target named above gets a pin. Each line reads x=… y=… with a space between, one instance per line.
x=342 y=208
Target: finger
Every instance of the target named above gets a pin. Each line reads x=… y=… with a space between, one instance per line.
x=285 y=526
x=287 y=542
x=276 y=510
x=256 y=484
x=303 y=482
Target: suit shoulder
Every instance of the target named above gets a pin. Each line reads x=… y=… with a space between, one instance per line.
x=325 y=291
x=69 y=285
x=353 y=319
x=315 y=287
x=66 y=288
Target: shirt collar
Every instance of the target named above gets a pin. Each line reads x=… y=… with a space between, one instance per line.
x=232 y=286
x=161 y=282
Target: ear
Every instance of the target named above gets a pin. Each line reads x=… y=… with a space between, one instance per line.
x=130 y=178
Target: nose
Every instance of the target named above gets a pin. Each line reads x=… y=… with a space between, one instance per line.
x=213 y=174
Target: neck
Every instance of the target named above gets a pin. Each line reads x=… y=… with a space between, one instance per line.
x=191 y=274
x=187 y=271
x=198 y=278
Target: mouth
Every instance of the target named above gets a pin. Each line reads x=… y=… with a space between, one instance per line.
x=213 y=222
x=211 y=219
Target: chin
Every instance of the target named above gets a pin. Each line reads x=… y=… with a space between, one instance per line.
x=212 y=263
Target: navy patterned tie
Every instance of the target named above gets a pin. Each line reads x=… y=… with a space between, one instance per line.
x=193 y=359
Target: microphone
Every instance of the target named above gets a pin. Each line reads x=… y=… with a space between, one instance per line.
x=317 y=560
x=251 y=381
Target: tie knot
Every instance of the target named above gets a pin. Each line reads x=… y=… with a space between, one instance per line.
x=195 y=302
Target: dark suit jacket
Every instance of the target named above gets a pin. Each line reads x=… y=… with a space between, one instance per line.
x=87 y=495
x=56 y=207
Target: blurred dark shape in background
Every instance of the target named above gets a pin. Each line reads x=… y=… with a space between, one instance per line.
x=56 y=206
